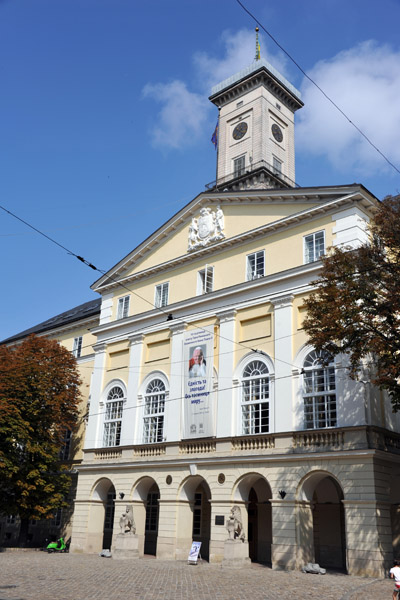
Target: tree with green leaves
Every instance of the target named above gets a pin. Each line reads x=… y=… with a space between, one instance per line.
x=39 y=398
x=355 y=309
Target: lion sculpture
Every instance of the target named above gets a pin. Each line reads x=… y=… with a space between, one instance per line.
x=127 y=522
x=234 y=524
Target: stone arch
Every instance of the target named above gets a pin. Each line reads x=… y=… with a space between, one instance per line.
x=145 y=498
x=101 y=515
x=194 y=515
x=253 y=494
x=320 y=520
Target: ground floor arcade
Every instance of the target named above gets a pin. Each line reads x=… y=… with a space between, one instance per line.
x=340 y=511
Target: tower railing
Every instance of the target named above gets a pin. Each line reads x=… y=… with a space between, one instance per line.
x=248 y=170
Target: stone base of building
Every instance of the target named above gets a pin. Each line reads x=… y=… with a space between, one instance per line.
x=236 y=554
x=126 y=546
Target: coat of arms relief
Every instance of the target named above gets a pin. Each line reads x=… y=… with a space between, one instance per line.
x=208 y=227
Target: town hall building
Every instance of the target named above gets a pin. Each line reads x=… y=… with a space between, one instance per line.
x=204 y=391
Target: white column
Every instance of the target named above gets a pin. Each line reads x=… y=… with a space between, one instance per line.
x=283 y=331
x=225 y=407
x=92 y=437
x=173 y=409
x=131 y=410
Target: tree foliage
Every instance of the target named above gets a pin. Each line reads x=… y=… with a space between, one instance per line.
x=39 y=396
x=356 y=308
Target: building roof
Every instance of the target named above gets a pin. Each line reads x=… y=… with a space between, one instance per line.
x=83 y=311
x=255 y=66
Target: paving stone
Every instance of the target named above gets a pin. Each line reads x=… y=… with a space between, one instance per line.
x=40 y=576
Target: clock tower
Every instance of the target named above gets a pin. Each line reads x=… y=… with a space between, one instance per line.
x=256 y=129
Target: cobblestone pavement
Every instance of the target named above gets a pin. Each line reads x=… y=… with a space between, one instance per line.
x=40 y=576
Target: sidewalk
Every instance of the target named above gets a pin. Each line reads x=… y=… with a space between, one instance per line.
x=40 y=576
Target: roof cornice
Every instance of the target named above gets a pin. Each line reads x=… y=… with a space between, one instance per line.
x=354 y=194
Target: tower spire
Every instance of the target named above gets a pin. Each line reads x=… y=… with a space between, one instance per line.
x=258 y=53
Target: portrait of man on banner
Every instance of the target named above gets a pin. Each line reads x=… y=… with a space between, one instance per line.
x=197 y=362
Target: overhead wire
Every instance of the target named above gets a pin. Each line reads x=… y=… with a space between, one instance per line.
x=341 y=111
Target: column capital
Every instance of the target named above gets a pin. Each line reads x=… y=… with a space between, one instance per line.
x=100 y=347
x=136 y=338
x=176 y=327
x=282 y=301
x=226 y=315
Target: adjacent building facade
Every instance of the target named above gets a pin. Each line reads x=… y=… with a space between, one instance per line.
x=204 y=391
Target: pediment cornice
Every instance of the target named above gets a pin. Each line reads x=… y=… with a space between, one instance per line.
x=321 y=200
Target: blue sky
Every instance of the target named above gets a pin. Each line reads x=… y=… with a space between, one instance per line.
x=105 y=124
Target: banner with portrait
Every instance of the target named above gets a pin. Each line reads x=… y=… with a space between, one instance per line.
x=198 y=355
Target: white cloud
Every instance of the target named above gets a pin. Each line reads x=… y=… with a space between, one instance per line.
x=364 y=82
x=183 y=113
x=179 y=123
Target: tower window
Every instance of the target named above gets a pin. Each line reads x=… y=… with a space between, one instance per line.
x=277 y=165
x=238 y=166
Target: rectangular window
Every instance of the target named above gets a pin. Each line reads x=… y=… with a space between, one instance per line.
x=77 y=349
x=314 y=246
x=276 y=165
x=66 y=446
x=123 y=307
x=238 y=166
x=113 y=422
x=205 y=280
x=255 y=265
x=161 y=298
x=255 y=406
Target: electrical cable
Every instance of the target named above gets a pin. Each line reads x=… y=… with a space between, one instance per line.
x=318 y=87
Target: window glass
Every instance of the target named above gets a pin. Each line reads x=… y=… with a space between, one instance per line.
x=162 y=295
x=113 y=417
x=255 y=398
x=154 y=406
x=314 y=246
x=77 y=349
x=255 y=265
x=205 y=280
x=238 y=166
x=123 y=307
x=319 y=391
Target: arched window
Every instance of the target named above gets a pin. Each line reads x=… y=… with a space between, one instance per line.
x=319 y=391
x=154 y=406
x=255 y=398
x=113 y=417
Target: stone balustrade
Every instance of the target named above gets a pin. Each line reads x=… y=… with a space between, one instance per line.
x=298 y=442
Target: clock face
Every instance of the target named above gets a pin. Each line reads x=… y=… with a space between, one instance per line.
x=240 y=130
x=277 y=132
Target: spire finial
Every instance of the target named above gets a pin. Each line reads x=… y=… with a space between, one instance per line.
x=258 y=54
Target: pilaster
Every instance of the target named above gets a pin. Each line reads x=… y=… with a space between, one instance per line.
x=173 y=420
x=283 y=329
x=92 y=437
x=225 y=409
x=131 y=409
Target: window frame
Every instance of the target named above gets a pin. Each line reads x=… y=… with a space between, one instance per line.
x=123 y=307
x=153 y=421
x=251 y=411
x=277 y=165
x=113 y=414
x=205 y=283
x=239 y=165
x=306 y=254
x=255 y=274
x=160 y=294
x=322 y=402
x=77 y=347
